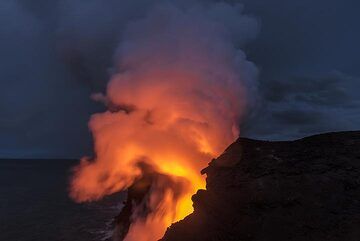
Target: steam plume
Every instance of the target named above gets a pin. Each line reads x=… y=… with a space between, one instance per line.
x=178 y=91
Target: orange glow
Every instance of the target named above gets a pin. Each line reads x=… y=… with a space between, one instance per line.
x=180 y=98
x=177 y=136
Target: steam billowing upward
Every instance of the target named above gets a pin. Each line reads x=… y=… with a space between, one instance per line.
x=178 y=92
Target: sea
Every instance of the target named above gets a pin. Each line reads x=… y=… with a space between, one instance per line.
x=35 y=206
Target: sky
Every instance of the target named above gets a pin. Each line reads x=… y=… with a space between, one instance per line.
x=55 y=54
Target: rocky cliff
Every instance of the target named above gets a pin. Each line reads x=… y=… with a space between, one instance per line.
x=306 y=189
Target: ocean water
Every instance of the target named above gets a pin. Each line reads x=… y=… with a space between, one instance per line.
x=34 y=204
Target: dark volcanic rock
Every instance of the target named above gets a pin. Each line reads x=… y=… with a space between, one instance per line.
x=297 y=190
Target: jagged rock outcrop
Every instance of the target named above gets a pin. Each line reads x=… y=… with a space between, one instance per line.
x=279 y=191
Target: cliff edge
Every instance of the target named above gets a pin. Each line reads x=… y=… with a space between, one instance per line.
x=306 y=189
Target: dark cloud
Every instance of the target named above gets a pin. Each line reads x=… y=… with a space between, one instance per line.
x=299 y=106
x=306 y=36
x=297 y=117
x=42 y=106
x=309 y=62
x=330 y=90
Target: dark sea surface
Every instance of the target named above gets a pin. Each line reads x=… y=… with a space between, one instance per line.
x=34 y=204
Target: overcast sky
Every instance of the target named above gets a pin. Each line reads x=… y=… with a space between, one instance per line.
x=54 y=54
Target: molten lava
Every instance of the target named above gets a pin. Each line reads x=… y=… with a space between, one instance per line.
x=177 y=96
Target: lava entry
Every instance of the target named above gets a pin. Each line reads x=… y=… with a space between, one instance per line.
x=177 y=94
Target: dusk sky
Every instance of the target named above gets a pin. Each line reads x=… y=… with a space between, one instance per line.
x=55 y=54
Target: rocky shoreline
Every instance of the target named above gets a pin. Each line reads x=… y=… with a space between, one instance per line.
x=300 y=190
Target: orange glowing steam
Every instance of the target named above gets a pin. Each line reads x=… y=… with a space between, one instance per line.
x=177 y=130
x=180 y=97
